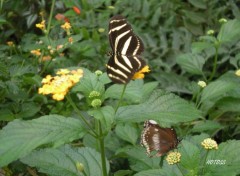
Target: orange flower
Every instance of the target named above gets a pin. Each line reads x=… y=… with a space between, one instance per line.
x=76 y=10
x=61 y=17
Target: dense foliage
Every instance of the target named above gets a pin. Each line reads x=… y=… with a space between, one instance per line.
x=94 y=126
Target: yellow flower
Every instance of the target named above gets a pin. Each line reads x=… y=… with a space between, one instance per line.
x=41 y=25
x=58 y=86
x=140 y=74
x=70 y=40
x=209 y=144
x=202 y=84
x=237 y=72
x=36 y=52
x=173 y=157
x=10 y=43
x=46 y=58
x=66 y=26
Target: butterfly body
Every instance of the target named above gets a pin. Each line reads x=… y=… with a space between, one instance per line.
x=156 y=138
x=125 y=58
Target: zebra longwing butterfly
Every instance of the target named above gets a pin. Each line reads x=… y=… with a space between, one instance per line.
x=156 y=138
x=125 y=58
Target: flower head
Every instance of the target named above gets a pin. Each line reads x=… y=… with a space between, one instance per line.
x=101 y=30
x=98 y=72
x=96 y=103
x=76 y=10
x=222 y=20
x=79 y=166
x=209 y=144
x=173 y=157
x=94 y=94
x=70 y=40
x=36 y=52
x=202 y=84
x=140 y=74
x=66 y=26
x=58 y=86
x=10 y=43
x=41 y=25
x=237 y=72
x=210 y=32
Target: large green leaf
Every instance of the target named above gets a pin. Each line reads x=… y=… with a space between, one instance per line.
x=153 y=172
x=20 y=137
x=229 y=31
x=66 y=161
x=191 y=63
x=161 y=106
x=127 y=132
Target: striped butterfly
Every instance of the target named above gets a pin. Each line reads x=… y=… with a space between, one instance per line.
x=125 y=58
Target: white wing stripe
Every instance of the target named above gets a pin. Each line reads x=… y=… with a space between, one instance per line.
x=126 y=45
x=117 y=28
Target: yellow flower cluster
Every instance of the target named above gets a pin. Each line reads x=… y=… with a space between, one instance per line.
x=237 y=72
x=209 y=144
x=66 y=26
x=41 y=25
x=202 y=84
x=173 y=157
x=59 y=85
x=140 y=74
x=36 y=52
x=10 y=43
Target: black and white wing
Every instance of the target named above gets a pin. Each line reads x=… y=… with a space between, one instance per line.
x=125 y=59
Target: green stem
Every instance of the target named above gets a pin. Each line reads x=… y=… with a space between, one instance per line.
x=50 y=17
x=102 y=148
x=121 y=97
x=204 y=161
x=81 y=116
x=215 y=63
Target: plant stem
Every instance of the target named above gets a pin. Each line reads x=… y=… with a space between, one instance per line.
x=102 y=148
x=204 y=161
x=81 y=116
x=50 y=17
x=121 y=97
x=180 y=169
x=215 y=63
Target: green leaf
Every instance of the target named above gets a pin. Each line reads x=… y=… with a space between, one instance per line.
x=65 y=160
x=6 y=115
x=148 y=89
x=161 y=106
x=215 y=90
x=105 y=115
x=138 y=158
x=198 y=47
x=28 y=110
x=229 y=31
x=89 y=83
x=227 y=153
x=190 y=156
x=153 y=172
x=201 y=4
x=127 y=132
x=132 y=93
x=191 y=63
x=208 y=126
x=20 y=137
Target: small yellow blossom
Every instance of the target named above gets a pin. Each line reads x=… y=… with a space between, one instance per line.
x=173 y=158
x=41 y=25
x=36 y=52
x=96 y=103
x=210 y=32
x=94 y=94
x=58 y=86
x=10 y=43
x=70 y=40
x=202 y=84
x=79 y=166
x=59 y=47
x=46 y=58
x=140 y=74
x=209 y=144
x=66 y=26
x=101 y=30
x=237 y=72
x=222 y=20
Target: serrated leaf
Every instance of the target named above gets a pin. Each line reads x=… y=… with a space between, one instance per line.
x=198 y=3
x=132 y=93
x=161 y=106
x=216 y=89
x=105 y=115
x=228 y=153
x=191 y=63
x=153 y=172
x=207 y=125
x=197 y=47
x=190 y=156
x=127 y=132
x=64 y=161
x=229 y=32
x=138 y=158
x=20 y=137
